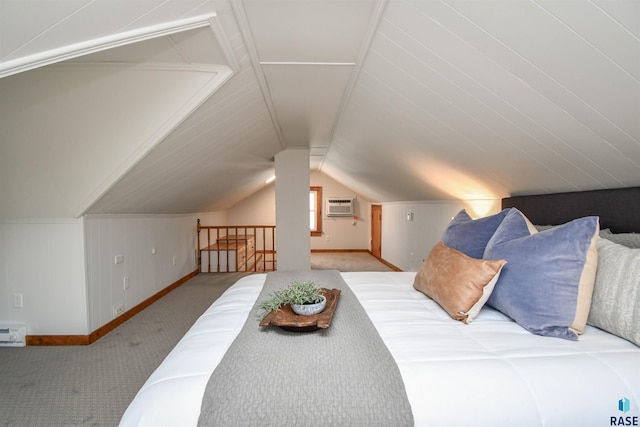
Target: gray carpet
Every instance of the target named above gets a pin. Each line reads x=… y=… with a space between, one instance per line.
x=346 y=261
x=93 y=385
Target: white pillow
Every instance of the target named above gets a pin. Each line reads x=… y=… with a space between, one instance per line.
x=615 y=303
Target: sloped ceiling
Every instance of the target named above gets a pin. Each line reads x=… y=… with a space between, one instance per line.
x=398 y=100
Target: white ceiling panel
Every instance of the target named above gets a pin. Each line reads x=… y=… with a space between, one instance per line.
x=562 y=56
x=456 y=111
x=87 y=22
x=414 y=133
x=205 y=158
x=600 y=30
x=308 y=31
x=625 y=12
x=497 y=99
x=196 y=47
x=24 y=22
x=397 y=99
x=306 y=100
x=91 y=122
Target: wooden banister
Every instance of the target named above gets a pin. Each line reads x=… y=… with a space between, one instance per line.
x=252 y=246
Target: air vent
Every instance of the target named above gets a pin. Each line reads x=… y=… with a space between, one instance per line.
x=340 y=206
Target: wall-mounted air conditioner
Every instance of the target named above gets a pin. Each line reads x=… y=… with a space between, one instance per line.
x=340 y=206
x=13 y=335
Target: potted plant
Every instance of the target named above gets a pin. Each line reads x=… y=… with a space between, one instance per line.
x=305 y=298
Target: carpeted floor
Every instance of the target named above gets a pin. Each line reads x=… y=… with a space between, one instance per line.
x=93 y=385
x=346 y=261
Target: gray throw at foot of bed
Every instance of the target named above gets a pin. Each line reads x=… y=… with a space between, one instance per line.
x=340 y=376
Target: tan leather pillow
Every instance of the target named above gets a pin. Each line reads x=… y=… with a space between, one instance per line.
x=460 y=284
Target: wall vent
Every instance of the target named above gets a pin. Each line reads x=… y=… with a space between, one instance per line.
x=339 y=206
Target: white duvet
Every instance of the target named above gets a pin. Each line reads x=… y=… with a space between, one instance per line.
x=489 y=373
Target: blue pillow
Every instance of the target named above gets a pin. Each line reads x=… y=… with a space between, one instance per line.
x=547 y=283
x=470 y=236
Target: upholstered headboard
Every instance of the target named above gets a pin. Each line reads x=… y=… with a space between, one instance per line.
x=618 y=209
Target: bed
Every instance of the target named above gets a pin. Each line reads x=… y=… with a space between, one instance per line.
x=485 y=369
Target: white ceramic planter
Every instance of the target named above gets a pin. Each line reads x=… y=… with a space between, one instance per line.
x=309 y=309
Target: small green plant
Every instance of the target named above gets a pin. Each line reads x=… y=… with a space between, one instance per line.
x=298 y=292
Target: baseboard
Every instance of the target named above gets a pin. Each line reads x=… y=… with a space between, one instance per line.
x=105 y=329
x=387 y=263
x=318 y=251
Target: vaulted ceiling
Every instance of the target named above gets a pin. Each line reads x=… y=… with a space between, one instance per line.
x=179 y=106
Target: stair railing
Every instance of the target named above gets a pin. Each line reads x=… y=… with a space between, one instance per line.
x=236 y=248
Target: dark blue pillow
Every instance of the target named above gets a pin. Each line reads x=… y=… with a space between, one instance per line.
x=547 y=283
x=470 y=236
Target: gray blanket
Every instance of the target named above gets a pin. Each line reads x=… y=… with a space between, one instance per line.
x=340 y=376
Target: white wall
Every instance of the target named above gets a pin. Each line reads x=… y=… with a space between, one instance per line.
x=406 y=244
x=257 y=209
x=43 y=260
x=136 y=238
x=65 y=269
x=340 y=232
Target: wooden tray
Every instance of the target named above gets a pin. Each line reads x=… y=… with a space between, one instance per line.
x=290 y=321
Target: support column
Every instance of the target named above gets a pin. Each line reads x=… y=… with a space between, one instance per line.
x=293 y=238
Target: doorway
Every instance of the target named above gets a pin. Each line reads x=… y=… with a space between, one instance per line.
x=376 y=231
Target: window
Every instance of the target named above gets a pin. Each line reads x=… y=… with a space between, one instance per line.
x=315 y=211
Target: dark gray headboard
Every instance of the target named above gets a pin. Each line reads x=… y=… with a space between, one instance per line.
x=618 y=209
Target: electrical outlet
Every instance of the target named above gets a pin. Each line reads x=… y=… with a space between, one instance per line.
x=174 y=260
x=17 y=301
x=125 y=283
x=118 y=309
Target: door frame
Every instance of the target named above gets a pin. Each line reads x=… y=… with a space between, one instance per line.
x=376 y=231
